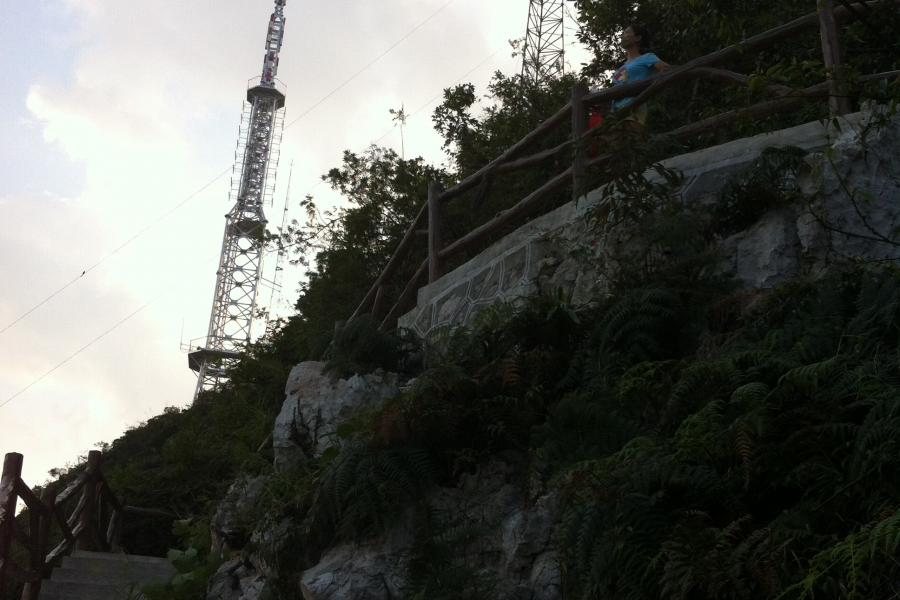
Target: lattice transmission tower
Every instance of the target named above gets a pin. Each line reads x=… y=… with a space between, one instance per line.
x=239 y=275
x=545 y=50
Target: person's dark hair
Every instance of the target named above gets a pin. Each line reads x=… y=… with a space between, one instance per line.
x=645 y=36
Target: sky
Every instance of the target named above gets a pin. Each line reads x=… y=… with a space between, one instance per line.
x=118 y=126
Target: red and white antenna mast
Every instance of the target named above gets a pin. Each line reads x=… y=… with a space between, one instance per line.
x=240 y=270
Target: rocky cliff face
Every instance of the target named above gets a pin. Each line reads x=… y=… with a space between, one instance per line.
x=317 y=404
x=516 y=543
x=516 y=548
x=849 y=210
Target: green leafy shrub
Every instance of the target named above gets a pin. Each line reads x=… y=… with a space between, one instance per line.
x=195 y=565
x=760 y=472
x=438 y=567
x=360 y=347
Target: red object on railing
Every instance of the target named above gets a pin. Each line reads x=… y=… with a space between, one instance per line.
x=586 y=115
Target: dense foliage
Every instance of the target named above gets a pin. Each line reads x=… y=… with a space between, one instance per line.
x=686 y=29
x=709 y=443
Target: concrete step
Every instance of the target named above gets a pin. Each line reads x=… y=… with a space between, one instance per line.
x=99 y=568
x=62 y=575
x=103 y=558
x=89 y=591
x=102 y=576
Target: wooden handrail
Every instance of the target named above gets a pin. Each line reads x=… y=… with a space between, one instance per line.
x=149 y=512
x=405 y=298
x=395 y=261
x=76 y=485
x=523 y=208
x=63 y=524
x=76 y=514
x=764 y=109
x=12 y=471
x=82 y=529
x=30 y=498
x=704 y=67
x=435 y=232
x=647 y=88
x=580 y=129
x=470 y=182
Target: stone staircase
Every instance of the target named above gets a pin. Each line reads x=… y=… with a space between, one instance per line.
x=102 y=576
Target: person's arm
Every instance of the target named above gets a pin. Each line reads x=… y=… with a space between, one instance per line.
x=651 y=61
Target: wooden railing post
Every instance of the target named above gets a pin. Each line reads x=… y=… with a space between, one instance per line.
x=379 y=298
x=114 y=531
x=831 y=49
x=101 y=517
x=35 y=554
x=12 y=471
x=435 y=232
x=86 y=519
x=577 y=110
x=579 y=129
x=42 y=541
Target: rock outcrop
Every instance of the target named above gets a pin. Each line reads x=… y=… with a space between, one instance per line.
x=849 y=208
x=238 y=579
x=228 y=526
x=516 y=550
x=318 y=403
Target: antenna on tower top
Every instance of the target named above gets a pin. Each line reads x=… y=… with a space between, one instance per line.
x=273 y=45
x=239 y=275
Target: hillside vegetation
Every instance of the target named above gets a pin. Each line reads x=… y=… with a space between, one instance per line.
x=708 y=442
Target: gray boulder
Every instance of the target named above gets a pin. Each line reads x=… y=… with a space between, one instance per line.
x=238 y=579
x=517 y=548
x=228 y=526
x=856 y=196
x=318 y=403
x=370 y=570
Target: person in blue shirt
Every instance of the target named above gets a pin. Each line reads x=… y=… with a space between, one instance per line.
x=640 y=64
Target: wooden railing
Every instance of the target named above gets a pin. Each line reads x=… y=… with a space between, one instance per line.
x=782 y=99
x=94 y=524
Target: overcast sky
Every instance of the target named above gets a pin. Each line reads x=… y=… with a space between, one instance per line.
x=114 y=113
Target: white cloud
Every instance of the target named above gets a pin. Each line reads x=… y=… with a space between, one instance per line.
x=148 y=103
x=91 y=396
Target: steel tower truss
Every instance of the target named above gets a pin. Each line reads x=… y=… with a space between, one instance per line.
x=544 y=52
x=243 y=245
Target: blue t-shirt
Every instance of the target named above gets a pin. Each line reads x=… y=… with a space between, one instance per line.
x=639 y=68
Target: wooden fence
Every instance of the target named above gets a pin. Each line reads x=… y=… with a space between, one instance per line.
x=94 y=524
x=576 y=112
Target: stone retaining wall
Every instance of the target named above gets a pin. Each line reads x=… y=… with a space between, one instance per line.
x=542 y=254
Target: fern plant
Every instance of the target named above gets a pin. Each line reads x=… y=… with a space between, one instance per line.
x=439 y=565
x=755 y=466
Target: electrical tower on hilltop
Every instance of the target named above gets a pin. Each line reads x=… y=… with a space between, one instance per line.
x=545 y=50
x=239 y=274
